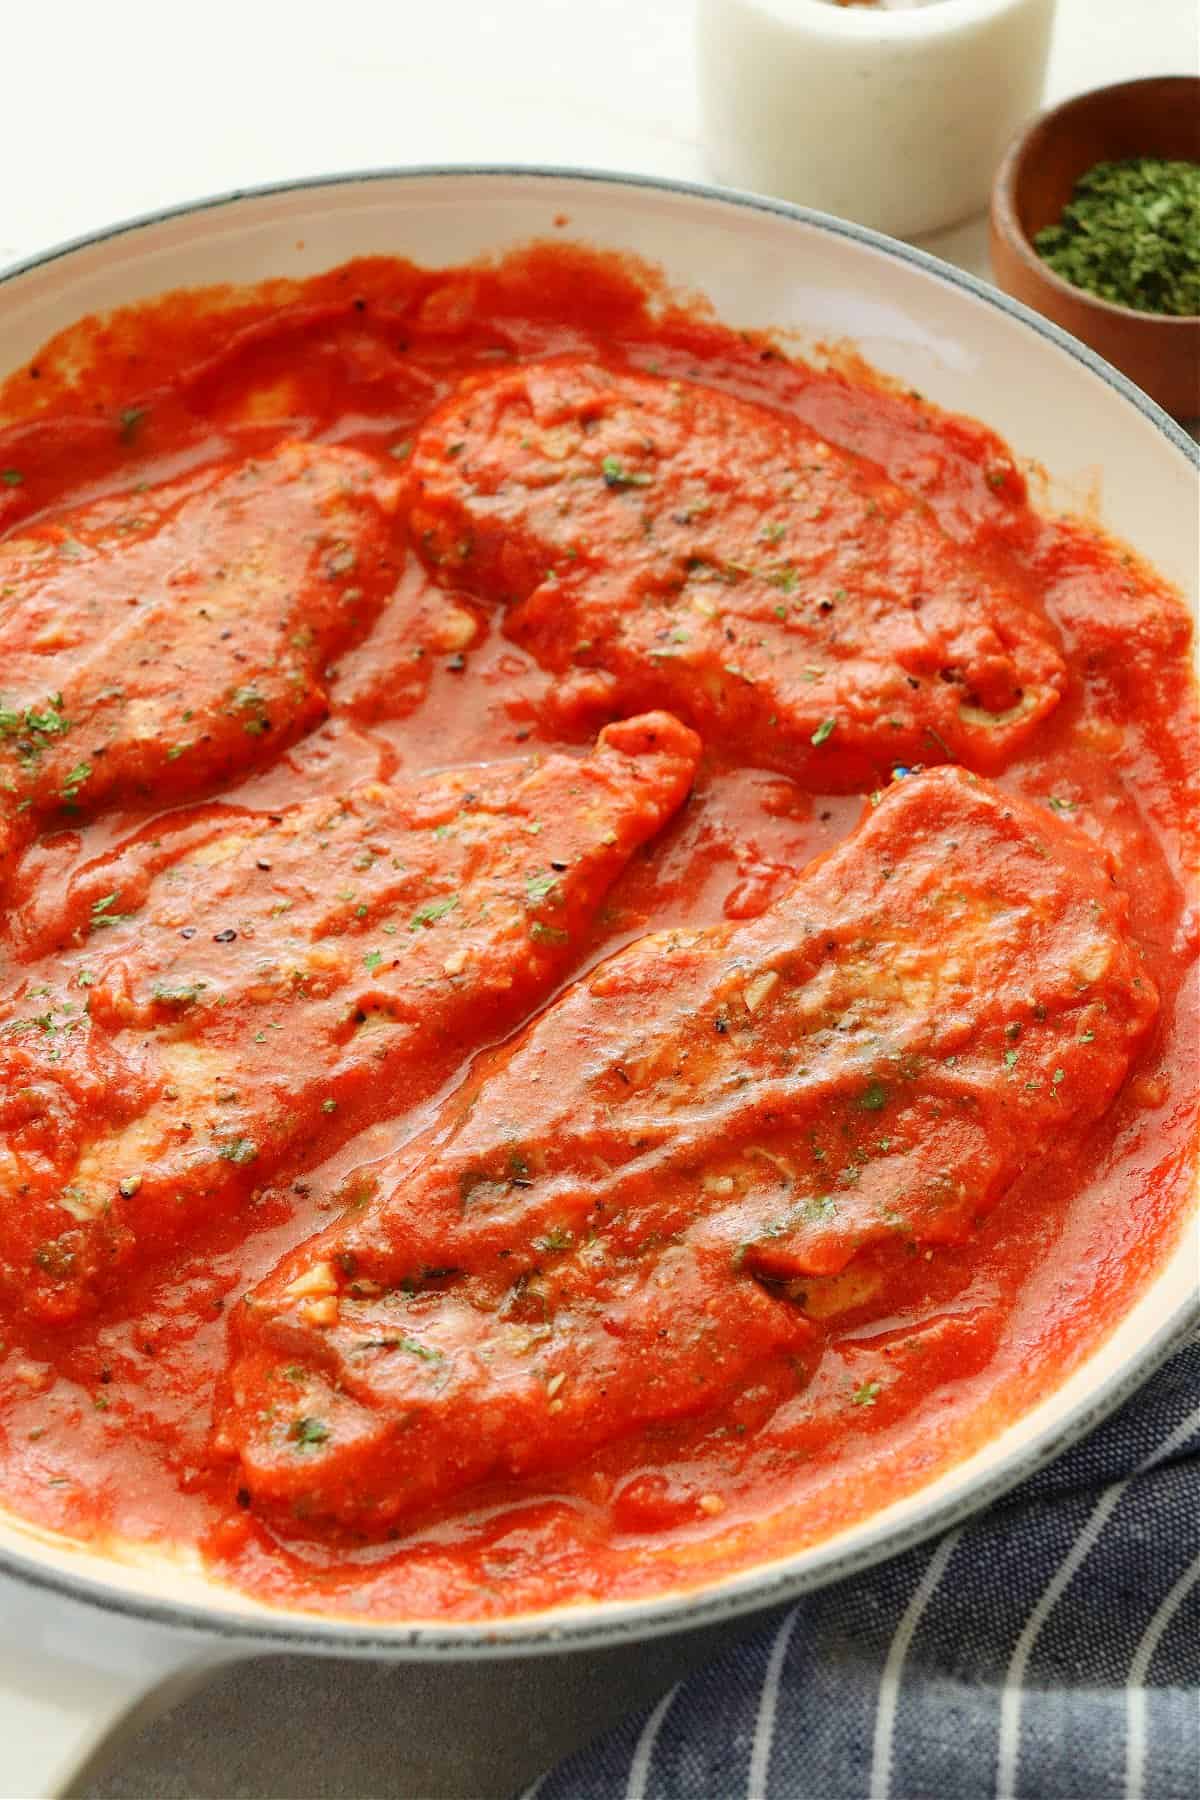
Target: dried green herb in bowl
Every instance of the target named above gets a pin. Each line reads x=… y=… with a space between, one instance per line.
x=1131 y=234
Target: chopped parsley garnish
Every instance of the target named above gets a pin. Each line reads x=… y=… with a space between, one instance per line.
x=31 y=726
x=824 y=731
x=372 y=960
x=813 y=1211
x=867 y=1394
x=308 y=1431
x=822 y=1206
x=75 y=780
x=1130 y=233
x=617 y=477
x=548 y=934
x=557 y=1238
x=102 y=914
x=411 y=1345
x=432 y=912
x=131 y=418
x=11 y=477
x=248 y=699
x=539 y=888
x=874 y=1098
x=183 y=994
x=240 y=1150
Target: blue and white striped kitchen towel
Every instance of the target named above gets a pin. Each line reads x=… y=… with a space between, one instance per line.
x=1046 y=1650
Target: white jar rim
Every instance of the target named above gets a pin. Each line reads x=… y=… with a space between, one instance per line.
x=931 y=19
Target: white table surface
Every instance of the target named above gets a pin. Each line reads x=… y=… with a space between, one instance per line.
x=115 y=109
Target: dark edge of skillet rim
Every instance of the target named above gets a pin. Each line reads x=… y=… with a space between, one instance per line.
x=656 y=1615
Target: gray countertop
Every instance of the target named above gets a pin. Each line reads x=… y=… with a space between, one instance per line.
x=298 y=1728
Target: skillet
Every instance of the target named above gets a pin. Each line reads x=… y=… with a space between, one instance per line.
x=94 y=1637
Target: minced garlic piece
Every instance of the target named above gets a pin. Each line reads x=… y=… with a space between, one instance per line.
x=760 y=990
x=320 y=1279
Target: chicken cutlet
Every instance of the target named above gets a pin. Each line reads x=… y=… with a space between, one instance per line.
x=658 y=1186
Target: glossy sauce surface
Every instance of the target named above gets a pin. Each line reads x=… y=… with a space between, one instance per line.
x=106 y=1417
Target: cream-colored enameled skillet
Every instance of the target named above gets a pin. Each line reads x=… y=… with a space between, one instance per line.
x=90 y=1635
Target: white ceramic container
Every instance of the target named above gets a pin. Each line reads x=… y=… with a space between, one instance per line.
x=896 y=119
x=90 y=1637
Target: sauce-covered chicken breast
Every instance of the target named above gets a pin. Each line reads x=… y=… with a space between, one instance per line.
x=238 y=990
x=180 y=635
x=664 y=544
x=657 y=1187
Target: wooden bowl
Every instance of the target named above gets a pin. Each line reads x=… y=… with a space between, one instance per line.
x=1156 y=117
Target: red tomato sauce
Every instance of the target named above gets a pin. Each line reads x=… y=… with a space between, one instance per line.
x=107 y=1409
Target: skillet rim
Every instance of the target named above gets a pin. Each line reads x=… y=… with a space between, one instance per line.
x=606 y=1624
